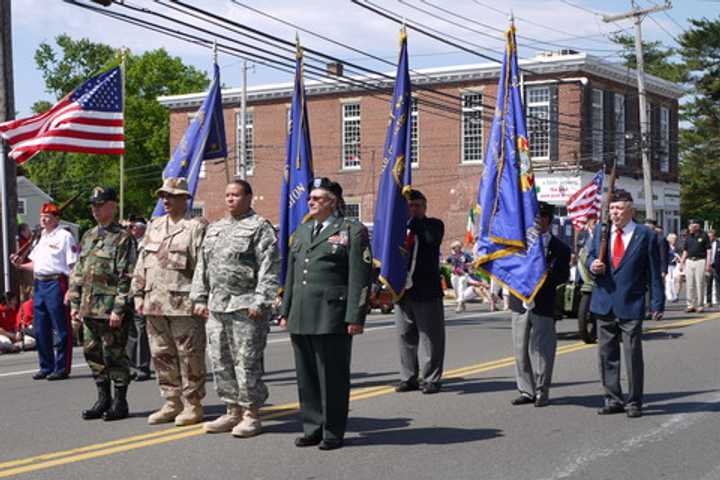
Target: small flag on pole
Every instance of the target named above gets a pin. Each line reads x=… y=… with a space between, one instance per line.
x=584 y=205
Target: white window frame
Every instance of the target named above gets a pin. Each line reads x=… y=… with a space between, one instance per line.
x=354 y=147
x=197 y=206
x=620 y=129
x=664 y=139
x=538 y=121
x=476 y=137
x=355 y=203
x=22 y=206
x=598 y=125
x=415 y=134
x=249 y=142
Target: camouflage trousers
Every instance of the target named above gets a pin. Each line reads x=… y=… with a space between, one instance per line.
x=235 y=346
x=177 y=347
x=104 y=350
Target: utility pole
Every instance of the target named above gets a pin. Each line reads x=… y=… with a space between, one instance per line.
x=243 y=114
x=638 y=14
x=8 y=172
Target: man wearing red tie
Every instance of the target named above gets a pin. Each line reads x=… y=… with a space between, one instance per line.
x=618 y=302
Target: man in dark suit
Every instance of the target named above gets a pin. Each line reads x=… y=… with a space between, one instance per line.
x=533 y=325
x=324 y=305
x=419 y=316
x=618 y=300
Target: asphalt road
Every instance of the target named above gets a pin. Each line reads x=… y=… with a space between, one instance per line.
x=468 y=431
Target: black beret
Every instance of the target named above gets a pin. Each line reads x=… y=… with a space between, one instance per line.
x=325 y=183
x=621 y=195
x=101 y=195
x=546 y=209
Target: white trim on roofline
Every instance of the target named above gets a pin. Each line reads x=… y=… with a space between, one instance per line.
x=541 y=65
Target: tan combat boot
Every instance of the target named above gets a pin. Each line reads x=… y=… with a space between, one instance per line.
x=226 y=422
x=167 y=412
x=250 y=425
x=191 y=414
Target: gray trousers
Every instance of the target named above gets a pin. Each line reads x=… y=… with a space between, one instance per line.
x=535 y=343
x=610 y=333
x=421 y=332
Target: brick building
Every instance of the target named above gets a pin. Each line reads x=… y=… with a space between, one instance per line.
x=591 y=105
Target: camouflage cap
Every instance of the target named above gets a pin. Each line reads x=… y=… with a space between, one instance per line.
x=174 y=186
x=101 y=195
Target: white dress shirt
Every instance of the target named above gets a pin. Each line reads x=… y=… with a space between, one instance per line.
x=627 y=233
x=54 y=253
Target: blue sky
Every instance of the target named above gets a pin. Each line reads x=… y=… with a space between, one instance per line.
x=569 y=23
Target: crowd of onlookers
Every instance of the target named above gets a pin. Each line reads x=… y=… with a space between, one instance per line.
x=689 y=262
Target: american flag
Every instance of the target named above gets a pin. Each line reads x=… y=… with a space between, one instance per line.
x=585 y=204
x=88 y=120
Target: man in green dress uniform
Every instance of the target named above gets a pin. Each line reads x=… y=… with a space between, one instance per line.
x=324 y=305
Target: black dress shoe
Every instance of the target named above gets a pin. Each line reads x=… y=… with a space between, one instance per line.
x=407 y=386
x=542 y=402
x=634 y=412
x=611 y=409
x=522 y=400
x=430 y=388
x=40 y=375
x=57 y=376
x=307 y=441
x=330 y=444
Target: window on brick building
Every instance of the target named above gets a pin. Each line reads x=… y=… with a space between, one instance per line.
x=598 y=125
x=351 y=136
x=664 y=139
x=352 y=210
x=538 y=121
x=249 y=150
x=197 y=210
x=472 y=127
x=415 y=135
x=619 y=129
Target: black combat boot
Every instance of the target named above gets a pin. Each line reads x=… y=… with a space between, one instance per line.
x=101 y=405
x=119 y=408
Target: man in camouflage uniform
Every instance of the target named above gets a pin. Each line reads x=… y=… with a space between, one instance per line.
x=235 y=283
x=161 y=287
x=99 y=293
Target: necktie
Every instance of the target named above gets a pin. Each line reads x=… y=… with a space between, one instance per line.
x=618 y=248
x=316 y=231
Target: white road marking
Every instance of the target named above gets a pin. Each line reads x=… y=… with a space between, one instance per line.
x=673 y=425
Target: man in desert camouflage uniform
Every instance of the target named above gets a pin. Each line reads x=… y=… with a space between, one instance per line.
x=99 y=293
x=235 y=283
x=161 y=287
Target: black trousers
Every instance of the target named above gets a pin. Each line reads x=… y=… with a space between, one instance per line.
x=322 y=363
x=611 y=333
x=138 y=347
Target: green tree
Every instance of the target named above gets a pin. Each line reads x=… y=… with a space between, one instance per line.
x=149 y=75
x=659 y=60
x=700 y=140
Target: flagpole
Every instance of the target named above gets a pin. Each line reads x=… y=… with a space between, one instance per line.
x=123 y=54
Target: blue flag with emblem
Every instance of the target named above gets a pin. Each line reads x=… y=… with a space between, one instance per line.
x=298 y=168
x=509 y=246
x=204 y=139
x=391 y=209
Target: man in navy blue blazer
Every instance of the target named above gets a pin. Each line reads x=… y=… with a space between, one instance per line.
x=618 y=301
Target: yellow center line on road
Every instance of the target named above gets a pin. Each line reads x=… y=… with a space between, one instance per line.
x=54 y=459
